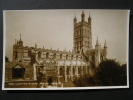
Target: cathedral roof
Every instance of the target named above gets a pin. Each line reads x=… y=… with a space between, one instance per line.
x=90 y=52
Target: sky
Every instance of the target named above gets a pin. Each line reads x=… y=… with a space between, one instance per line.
x=54 y=28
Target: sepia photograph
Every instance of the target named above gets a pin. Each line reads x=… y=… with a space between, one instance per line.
x=65 y=49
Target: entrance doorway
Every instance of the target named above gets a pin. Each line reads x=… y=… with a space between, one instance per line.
x=18 y=73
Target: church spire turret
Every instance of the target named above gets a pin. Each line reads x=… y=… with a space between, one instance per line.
x=15 y=42
x=97 y=53
x=97 y=43
x=65 y=49
x=89 y=19
x=20 y=42
x=82 y=16
x=43 y=47
x=20 y=37
x=105 y=49
x=75 y=20
x=35 y=45
x=105 y=45
x=73 y=50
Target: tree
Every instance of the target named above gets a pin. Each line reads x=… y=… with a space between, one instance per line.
x=108 y=73
x=111 y=73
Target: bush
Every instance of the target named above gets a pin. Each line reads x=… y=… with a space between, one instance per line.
x=84 y=81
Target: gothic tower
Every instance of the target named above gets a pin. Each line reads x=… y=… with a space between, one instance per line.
x=82 y=37
x=18 y=50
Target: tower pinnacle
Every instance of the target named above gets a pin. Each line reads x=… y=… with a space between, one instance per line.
x=20 y=37
x=105 y=44
x=82 y=16
x=43 y=47
x=35 y=45
x=75 y=16
x=89 y=15
x=65 y=49
x=75 y=20
x=97 y=43
x=15 y=41
x=89 y=18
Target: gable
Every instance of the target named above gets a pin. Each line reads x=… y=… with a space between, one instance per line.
x=18 y=66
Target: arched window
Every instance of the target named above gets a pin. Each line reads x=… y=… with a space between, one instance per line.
x=79 y=43
x=84 y=70
x=15 y=55
x=61 y=72
x=76 y=33
x=66 y=56
x=39 y=54
x=60 y=56
x=101 y=57
x=77 y=57
x=54 y=56
x=80 y=32
x=67 y=71
x=47 y=55
x=92 y=58
x=73 y=71
x=88 y=34
x=29 y=53
x=79 y=70
x=86 y=43
x=78 y=52
x=72 y=57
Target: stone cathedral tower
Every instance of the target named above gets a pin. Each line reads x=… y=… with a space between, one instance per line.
x=82 y=34
x=18 y=50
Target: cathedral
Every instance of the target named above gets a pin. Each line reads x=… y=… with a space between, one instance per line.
x=47 y=66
